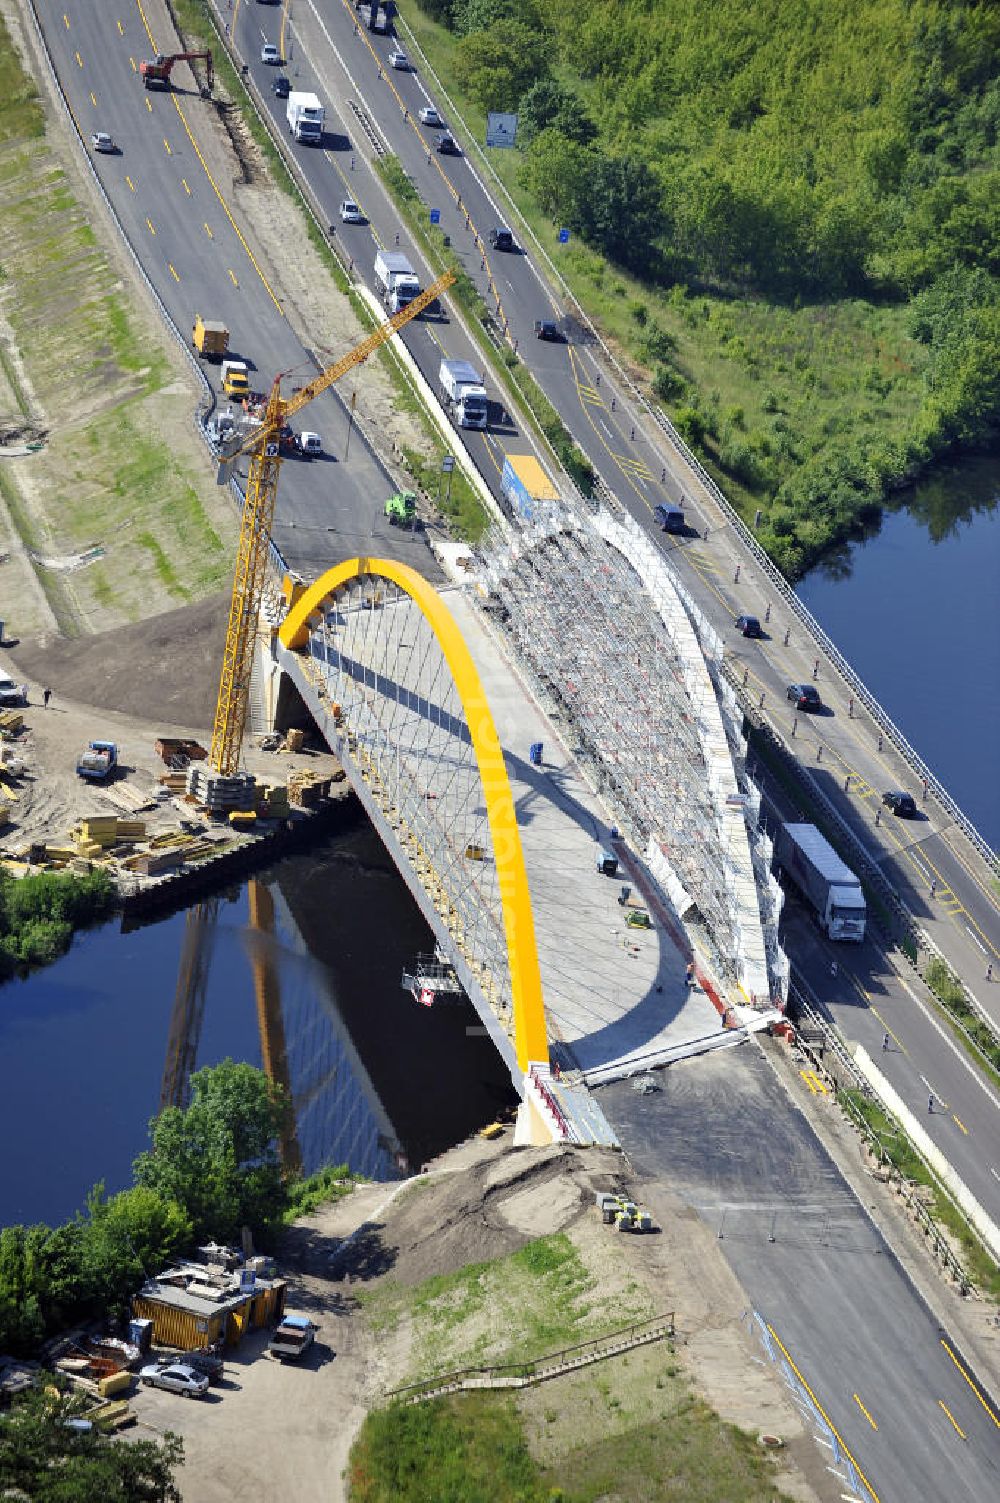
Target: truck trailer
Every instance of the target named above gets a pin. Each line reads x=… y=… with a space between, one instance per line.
x=397 y=281
x=209 y=337
x=304 y=114
x=830 y=888
x=526 y=485
x=463 y=390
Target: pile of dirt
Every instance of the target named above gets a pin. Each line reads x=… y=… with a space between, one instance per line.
x=164 y=670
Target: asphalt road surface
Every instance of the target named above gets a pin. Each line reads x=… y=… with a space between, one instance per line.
x=200 y=258
x=324 y=50
x=893 y=1384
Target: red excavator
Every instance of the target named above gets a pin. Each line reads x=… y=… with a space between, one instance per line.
x=156 y=72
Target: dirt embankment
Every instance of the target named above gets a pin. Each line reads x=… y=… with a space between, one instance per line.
x=353 y=1265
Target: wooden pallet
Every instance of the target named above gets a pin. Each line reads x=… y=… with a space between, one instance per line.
x=127 y=798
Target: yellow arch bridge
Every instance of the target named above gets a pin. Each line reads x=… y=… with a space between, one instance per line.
x=382 y=665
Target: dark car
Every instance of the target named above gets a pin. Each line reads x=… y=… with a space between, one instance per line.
x=281 y=87
x=501 y=239
x=748 y=625
x=448 y=146
x=804 y=697
x=670 y=518
x=903 y=804
x=210 y=1364
x=545 y=328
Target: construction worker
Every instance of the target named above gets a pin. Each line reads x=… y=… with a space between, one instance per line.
x=689 y=978
x=885 y=1043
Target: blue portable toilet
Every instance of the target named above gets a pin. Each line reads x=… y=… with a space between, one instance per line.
x=535 y=753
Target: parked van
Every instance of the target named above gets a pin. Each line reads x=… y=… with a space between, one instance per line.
x=670 y=519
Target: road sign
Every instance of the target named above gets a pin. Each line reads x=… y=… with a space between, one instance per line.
x=564 y=237
x=448 y=463
x=435 y=216
x=500 y=129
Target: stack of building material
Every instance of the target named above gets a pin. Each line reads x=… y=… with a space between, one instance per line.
x=176 y=782
x=11 y=721
x=220 y=795
x=307 y=789
x=126 y=798
x=272 y=800
x=102 y=831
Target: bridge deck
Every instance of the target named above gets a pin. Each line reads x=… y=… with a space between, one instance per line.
x=612 y=994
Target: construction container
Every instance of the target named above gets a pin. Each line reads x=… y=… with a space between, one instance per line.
x=526 y=485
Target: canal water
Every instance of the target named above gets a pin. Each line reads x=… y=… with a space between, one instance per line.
x=915 y=609
x=379 y=1082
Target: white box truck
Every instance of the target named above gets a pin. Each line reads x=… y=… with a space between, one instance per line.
x=463 y=390
x=398 y=283
x=304 y=114
x=830 y=888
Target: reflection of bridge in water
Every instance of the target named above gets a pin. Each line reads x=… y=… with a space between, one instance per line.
x=315 y=974
x=416 y=695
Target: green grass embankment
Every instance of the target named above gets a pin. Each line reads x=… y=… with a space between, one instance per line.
x=628 y=1428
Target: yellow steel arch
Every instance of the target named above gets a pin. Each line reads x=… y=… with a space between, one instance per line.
x=530 y=1035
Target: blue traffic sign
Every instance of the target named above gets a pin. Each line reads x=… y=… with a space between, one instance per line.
x=564 y=237
x=435 y=216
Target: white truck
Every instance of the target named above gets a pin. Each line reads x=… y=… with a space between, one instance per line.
x=462 y=387
x=830 y=888
x=304 y=114
x=398 y=283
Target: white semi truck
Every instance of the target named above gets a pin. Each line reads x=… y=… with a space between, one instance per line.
x=462 y=387
x=397 y=281
x=830 y=888
x=305 y=118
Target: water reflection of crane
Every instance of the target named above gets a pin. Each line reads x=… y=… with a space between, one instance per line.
x=189 y=1008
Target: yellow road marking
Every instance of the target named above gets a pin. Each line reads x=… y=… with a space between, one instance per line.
x=149 y=105
x=134 y=68
x=121 y=29
x=960 y=1124
x=864 y=1411
x=954 y=1421
x=166 y=144
x=232 y=30
x=281 y=33
x=788 y=1358
x=972 y=1385
x=898 y=1043
x=79 y=59
x=93 y=99
x=185 y=186
x=130 y=182
x=812 y=1080
x=172 y=272
x=233 y=275
x=208 y=232
x=66 y=19
x=150 y=223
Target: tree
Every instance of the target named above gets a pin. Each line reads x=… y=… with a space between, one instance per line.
x=218 y=1159
x=50 y=1462
x=557 y=173
x=548 y=105
x=622 y=212
x=501 y=63
x=128 y=1238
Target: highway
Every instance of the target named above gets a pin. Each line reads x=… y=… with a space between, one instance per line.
x=892 y=1383
x=896 y=1388
x=325 y=51
x=168 y=186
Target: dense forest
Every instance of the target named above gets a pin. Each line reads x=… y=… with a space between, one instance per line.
x=755 y=170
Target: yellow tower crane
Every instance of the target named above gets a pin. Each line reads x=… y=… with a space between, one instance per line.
x=255 y=534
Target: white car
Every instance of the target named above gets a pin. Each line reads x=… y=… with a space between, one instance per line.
x=398 y=59
x=269 y=53
x=178 y=1377
x=429 y=116
x=350 y=213
x=11 y=693
x=101 y=141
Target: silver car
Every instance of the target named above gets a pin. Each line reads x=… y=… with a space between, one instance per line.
x=178 y=1377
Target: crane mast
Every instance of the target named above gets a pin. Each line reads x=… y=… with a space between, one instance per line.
x=255 y=535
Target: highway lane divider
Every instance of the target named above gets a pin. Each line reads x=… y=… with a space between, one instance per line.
x=710 y=489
